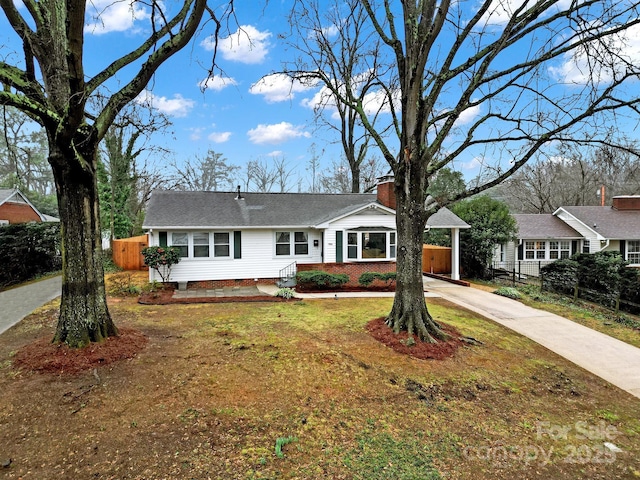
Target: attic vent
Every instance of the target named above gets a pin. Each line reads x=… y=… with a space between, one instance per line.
x=239 y=195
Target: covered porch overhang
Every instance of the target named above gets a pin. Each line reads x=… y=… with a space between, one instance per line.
x=445 y=218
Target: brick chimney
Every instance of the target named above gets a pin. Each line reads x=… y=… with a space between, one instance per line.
x=626 y=202
x=386 y=194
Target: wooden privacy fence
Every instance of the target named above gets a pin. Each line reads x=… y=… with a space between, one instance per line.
x=127 y=252
x=436 y=259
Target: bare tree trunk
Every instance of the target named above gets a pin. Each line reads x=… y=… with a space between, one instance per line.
x=409 y=312
x=84 y=316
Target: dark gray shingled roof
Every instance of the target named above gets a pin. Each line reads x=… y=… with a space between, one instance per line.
x=541 y=226
x=609 y=222
x=5 y=193
x=445 y=218
x=223 y=209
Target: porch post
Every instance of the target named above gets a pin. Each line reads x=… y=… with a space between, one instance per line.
x=455 y=254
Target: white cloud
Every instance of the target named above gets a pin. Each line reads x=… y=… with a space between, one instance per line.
x=578 y=69
x=178 y=106
x=278 y=87
x=275 y=153
x=276 y=133
x=219 y=137
x=196 y=133
x=217 y=83
x=472 y=164
x=107 y=16
x=246 y=45
x=501 y=11
x=467 y=116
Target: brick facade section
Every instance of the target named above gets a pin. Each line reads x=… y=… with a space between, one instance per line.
x=212 y=284
x=354 y=270
x=626 y=203
x=386 y=194
x=18 y=213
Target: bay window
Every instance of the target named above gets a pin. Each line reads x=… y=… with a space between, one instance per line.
x=371 y=245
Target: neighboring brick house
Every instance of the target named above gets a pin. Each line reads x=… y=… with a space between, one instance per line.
x=16 y=208
x=242 y=238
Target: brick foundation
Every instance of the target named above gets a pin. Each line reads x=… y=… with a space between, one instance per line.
x=212 y=284
x=354 y=270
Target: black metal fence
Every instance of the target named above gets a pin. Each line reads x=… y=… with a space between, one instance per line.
x=519 y=272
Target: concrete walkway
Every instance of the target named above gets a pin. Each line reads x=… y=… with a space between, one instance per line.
x=615 y=361
x=17 y=303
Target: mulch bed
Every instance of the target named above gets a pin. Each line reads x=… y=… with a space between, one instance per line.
x=46 y=357
x=165 y=297
x=379 y=330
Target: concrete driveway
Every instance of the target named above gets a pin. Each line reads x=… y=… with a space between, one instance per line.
x=612 y=360
x=17 y=303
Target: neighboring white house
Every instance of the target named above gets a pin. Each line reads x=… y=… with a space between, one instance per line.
x=248 y=237
x=544 y=238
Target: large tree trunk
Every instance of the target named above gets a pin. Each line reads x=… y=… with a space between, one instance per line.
x=409 y=312
x=84 y=316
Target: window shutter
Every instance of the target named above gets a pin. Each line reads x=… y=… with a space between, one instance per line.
x=237 y=244
x=623 y=249
x=338 y=246
x=521 y=251
x=574 y=246
x=162 y=239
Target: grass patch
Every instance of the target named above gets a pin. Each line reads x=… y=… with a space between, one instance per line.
x=380 y=456
x=218 y=384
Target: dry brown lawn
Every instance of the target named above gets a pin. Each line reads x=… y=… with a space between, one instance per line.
x=216 y=386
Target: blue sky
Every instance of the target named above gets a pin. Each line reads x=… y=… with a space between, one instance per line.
x=235 y=113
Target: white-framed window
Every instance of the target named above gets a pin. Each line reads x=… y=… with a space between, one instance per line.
x=201 y=244
x=221 y=245
x=633 y=251
x=559 y=249
x=586 y=246
x=288 y=242
x=535 y=250
x=392 y=244
x=547 y=249
x=180 y=240
x=352 y=245
x=301 y=243
x=371 y=245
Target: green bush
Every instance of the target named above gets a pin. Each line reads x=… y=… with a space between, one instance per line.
x=508 y=292
x=317 y=279
x=561 y=276
x=367 y=278
x=286 y=293
x=29 y=250
x=161 y=259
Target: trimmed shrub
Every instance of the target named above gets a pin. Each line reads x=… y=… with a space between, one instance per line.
x=317 y=279
x=561 y=276
x=367 y=278
x=161 y=259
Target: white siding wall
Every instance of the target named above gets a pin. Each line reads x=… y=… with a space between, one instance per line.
x=580 y=228
x=258 y=259
x=366 y=218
